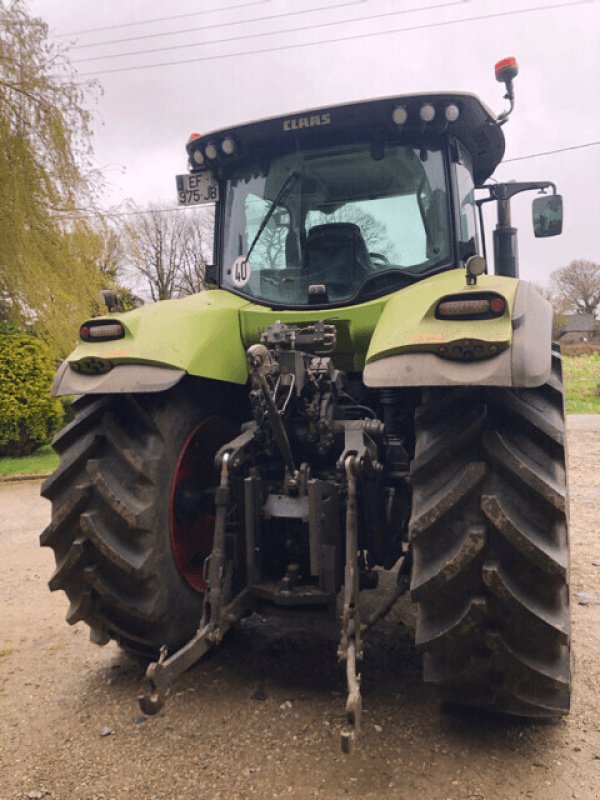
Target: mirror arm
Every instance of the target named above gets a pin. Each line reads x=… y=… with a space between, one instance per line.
x=506 y=257
x=479 y=203
x=504 y=191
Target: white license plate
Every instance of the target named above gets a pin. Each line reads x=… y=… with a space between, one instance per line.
x=197 y=189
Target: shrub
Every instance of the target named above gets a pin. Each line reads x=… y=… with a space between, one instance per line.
x=580 y=349
x=29 y=416
x=66 y=402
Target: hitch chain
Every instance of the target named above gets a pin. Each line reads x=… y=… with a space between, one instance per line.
x=216 y=618
x=350 y=649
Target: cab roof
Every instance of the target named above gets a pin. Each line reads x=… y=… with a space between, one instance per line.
x=380 y=119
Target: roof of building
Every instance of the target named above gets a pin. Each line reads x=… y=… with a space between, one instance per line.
x=580 y=323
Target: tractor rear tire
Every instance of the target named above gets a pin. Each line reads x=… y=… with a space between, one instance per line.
x=112 y=512
x=490 y=544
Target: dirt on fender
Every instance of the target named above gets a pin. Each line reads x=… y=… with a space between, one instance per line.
x=261 y=717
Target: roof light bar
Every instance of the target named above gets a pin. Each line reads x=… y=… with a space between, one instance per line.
x=427 y=112
x=400 y=115
x=452 y=113
x=228 y=146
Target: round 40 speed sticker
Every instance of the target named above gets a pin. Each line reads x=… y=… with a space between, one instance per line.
x=240 y=272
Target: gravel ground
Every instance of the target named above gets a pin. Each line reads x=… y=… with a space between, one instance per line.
x=261 y=717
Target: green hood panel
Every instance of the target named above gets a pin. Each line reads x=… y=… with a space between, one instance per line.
x=408 y=323
x=354 y=325
x=198 y=334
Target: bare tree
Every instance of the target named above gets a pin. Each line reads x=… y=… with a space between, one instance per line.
x=545 y=291
x=550 y=294
x=269 y=250
x=168 y=250
x=198 y=250
x=578 y=286
x=373 y=232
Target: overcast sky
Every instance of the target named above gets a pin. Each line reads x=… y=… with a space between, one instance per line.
x=144 y=116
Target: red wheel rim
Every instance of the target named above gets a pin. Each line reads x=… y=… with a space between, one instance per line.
x=191 y=512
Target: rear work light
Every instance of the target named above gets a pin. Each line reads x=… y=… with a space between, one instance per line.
x=472 y=306
x=101 y=331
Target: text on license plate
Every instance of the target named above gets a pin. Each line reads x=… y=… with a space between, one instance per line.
x=197 y=189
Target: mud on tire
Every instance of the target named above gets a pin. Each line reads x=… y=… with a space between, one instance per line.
x=110 y=525
x=489 y=536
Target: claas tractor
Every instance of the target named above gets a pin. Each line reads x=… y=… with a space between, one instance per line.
x=357 y=391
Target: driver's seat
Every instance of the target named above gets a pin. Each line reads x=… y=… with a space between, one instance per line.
x=336 y=252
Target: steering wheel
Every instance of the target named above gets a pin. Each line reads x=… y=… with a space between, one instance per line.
x=380 y=257
x=268 y=277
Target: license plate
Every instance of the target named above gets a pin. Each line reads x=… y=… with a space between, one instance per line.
x=197 y=189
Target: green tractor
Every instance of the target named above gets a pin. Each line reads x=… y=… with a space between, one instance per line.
x=357 y=393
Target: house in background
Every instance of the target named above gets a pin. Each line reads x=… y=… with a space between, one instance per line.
x=578 y=328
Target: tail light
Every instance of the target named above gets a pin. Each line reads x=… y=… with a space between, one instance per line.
x=101 y=331
x=471 y=306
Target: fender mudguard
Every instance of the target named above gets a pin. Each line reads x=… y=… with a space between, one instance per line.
x=198 y=335
x=410 y=347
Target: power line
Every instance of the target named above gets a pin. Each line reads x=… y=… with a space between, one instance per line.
x=262 y=51
x=551 y=152
x=273 y=33
x=160 y=19
x=187 y=208
x=229 y=24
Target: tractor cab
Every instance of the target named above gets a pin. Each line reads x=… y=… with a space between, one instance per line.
x=343 y=205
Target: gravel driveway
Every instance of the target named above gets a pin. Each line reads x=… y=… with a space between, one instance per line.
x=261 y=717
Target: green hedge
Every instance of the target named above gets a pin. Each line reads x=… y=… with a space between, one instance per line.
x=29 y=416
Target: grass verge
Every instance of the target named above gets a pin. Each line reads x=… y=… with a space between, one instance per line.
x=42 y=461
x=582 y=383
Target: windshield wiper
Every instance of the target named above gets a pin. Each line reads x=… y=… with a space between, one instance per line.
x=287 y=185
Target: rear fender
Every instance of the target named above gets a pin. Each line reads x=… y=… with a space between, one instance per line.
x=198 y=335
x=411 y=347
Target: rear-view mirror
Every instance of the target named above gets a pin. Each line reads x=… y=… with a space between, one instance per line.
x=547 y=215
x=210 y=274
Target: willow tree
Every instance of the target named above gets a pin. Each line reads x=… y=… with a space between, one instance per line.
x=48 y=248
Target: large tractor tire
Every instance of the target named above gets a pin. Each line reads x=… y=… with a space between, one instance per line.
x=132 y=512
x=490 y=543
